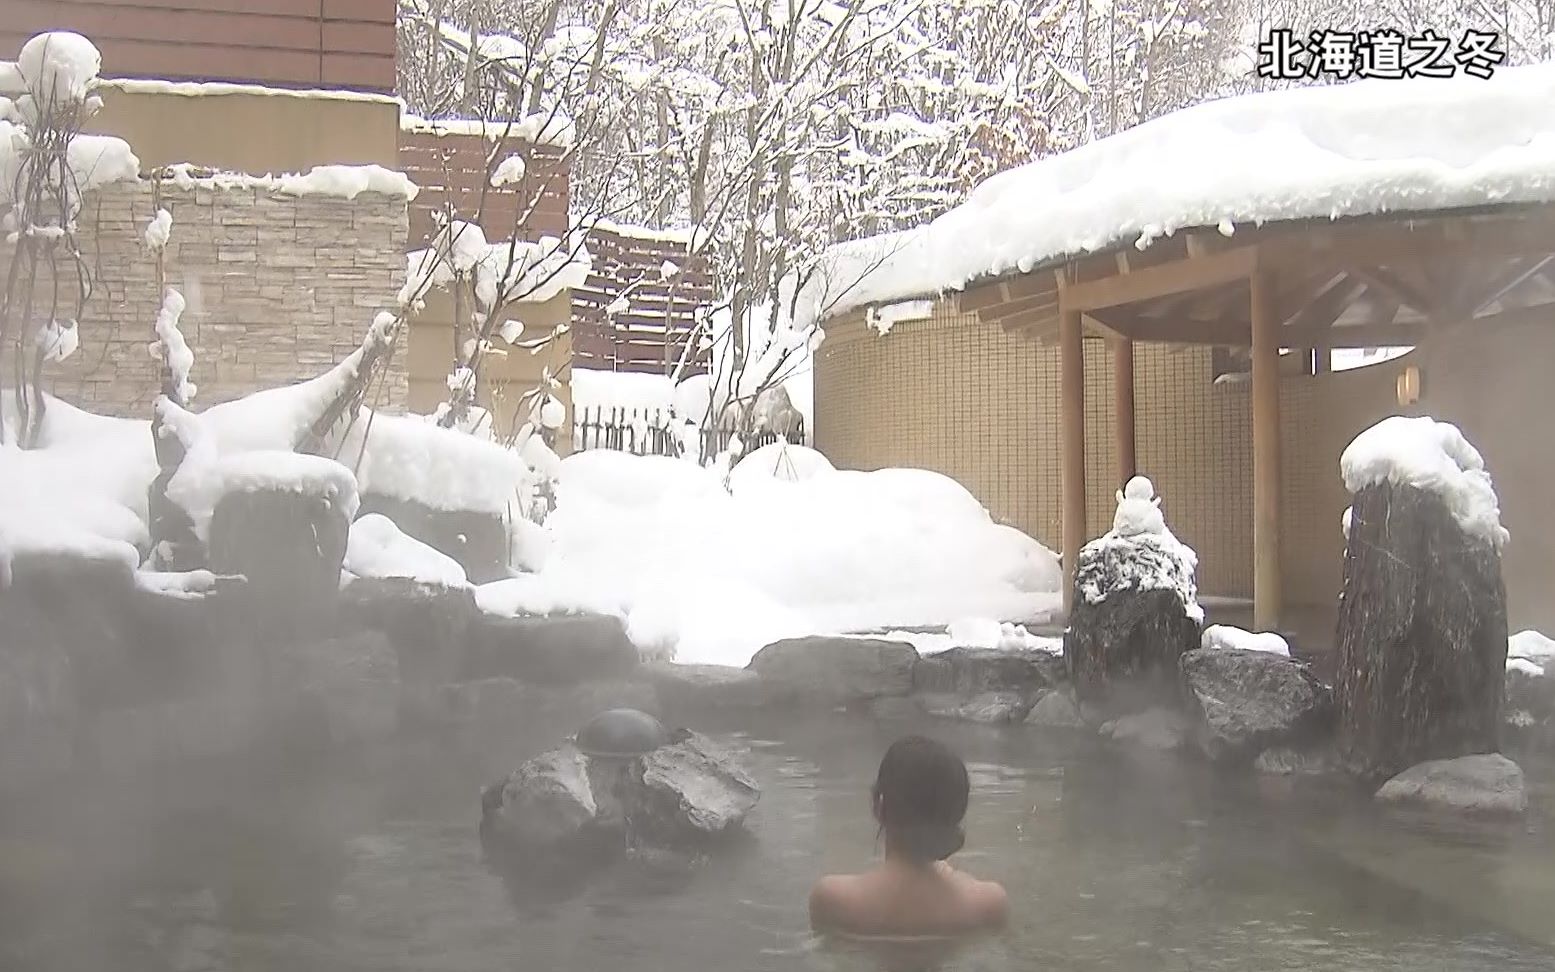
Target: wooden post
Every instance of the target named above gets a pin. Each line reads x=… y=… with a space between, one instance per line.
x=1123 y=399
x=1266 y=454
x=1072 y=398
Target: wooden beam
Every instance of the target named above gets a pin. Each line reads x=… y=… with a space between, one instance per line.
x=1400 y=289
x=1511 y=281
x=1267 y=592
x=1114 y=324
x=979 y=297
x=1123 y=407
x=1072 y=408
x=1174 y=277
x=1010 y=308
x=1321 y=312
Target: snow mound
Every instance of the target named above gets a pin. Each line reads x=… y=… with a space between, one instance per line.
x=1003 y=636
x=1319 y=152
x=1429 y=455
x=702 y=574
x=1531 y=645
x=377 y=548
x=205 y=477
x=1226 y=636
x=1525 y=666
x=348 y=182
x=59 y=66
x=780 y=462
x=184 y=585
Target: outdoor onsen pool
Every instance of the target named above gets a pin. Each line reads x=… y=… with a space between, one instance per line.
x=1112 y=862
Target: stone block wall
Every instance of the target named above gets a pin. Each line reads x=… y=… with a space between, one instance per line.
x=279 y=288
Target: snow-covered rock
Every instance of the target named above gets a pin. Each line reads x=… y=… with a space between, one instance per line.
x=1483 y=784
x=834 y=671
x=1226 y=636
x=289 y=542
x=1248 y=701
x=1422 y=617
x=968 y=672
x=377 y=549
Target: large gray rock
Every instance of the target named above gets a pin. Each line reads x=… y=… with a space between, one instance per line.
x=969 y=672
x=350 y=686
x=1159 y=729
x=687 y=791
x=834 y=671
x=478 y=541
x=69 y=613
x=1487 y=784
x=1056 y=710
x=1422 y=635
x=289 y=545
x=986 y=708
x=704 y=687
x=1297 y=761
x=428 y=624
x=1122 y=648
x=554 y=649
x=546 y=804
x=1248 y=701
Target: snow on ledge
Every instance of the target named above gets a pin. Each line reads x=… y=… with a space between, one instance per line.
x=328 y=181
x=1429 y=455
x=1226 y=636
x=197 y=89
x=376 y=548
x=1327 y=152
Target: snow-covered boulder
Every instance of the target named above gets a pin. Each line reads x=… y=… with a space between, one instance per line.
x=1483 y=784
x=685 y=792
x=1135 y=610
x=280 y=520
x=831 y=672
x=1422 y=617
x=476 y=540
x=555 y=649
x=1248 y=701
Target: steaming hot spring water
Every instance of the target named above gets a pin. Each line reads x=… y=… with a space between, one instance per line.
x=1112 y=861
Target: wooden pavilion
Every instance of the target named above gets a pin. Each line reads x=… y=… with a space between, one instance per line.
x=1302 y=286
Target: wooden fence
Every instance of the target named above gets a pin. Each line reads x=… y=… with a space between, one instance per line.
x=448 y=164
x=650 y=433
x=333 y=44
x=659 y=325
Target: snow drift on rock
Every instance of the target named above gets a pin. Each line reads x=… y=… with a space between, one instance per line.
x=1432 y=456
x=705 y=575
x=1139 y=553
x=377 y=548
x=1226 y=636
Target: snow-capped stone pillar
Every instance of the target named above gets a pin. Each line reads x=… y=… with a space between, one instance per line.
x=1072 y=397
x=1267 y=581
x=1123 y=401
x=1422 y=617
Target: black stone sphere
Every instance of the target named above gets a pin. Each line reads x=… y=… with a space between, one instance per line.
x=621 y=733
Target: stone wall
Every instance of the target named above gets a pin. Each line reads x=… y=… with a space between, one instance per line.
x=278 y=289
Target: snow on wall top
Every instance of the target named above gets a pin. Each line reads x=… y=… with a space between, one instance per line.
x=196 y=89
x=1357 y=149
x=1428 y=455
x=331 y=181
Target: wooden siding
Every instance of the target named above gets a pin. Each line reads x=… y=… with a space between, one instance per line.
x=331 y=44
x=450 y=168
x=654 y=333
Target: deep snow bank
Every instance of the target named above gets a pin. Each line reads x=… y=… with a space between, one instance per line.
x=703 y=574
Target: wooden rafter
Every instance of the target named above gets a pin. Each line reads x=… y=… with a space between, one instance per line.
x=1519 y=274
x=1308 y=323
x=1395 y=286
x=1175 y=277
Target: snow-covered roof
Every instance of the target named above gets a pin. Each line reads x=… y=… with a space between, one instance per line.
x=1336 y=151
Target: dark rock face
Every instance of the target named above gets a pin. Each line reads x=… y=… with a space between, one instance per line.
x=969 y=672
x=1483 y=784
x=1422 y=635
x=428 y=625
x=478 y=541
x=704 y=687
x=1122 y=652
x=686 y=792
x=834 y=671
x=1247 y=701
x=348 y=686
x=289 y=545
x=1056 y=710
x=556 y=649
x=66 y=613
